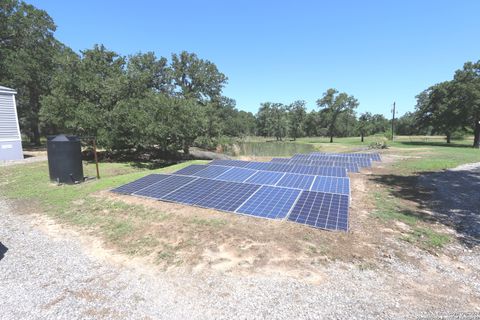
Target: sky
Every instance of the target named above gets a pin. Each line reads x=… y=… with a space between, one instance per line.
x=282 y=51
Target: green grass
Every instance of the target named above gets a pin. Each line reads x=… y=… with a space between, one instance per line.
x=387 y=209
x=427 y=238
x=118 y=222
x=420 y=233
x=435 y=158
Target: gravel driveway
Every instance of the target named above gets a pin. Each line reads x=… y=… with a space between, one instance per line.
x=43 y=276
x=456 y=199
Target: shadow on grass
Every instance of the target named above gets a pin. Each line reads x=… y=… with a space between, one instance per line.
x=452 y=196
x=434 y=144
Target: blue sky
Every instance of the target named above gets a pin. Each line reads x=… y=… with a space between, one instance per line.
x=281 y=51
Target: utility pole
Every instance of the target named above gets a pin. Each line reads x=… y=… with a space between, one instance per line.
x=393 y=122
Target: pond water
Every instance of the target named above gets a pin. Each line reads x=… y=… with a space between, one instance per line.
x=266 y=149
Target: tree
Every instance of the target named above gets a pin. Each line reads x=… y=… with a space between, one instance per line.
x=196 y=78
x=297 y=113
x=365 y=124
x=85 y=92
x=312 y=124
x=27 y=52
x=438 y=107
x=334 y=104
x=467 y=82
x=272 y=120
x=406 y=125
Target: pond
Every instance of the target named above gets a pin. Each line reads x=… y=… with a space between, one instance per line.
x=266 y=149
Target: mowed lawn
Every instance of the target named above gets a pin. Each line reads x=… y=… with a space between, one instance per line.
x=128 y=227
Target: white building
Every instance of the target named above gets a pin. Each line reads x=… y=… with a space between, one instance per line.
x=10 y=138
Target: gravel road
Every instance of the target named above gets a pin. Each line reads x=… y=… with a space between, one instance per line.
x=46 y=276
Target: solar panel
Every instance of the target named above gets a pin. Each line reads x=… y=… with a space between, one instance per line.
x=321 y=210
x=236 y=175
x=259 y=165
x=331 y=185
x=302 y=169
x=280 y=167
x=298 y=181
x=194 y=191
x=265 y=177
x=194 y=168
x=280 y=160
x=212 y=171
x=229 y=197
x=372 y=156
x=270 y=202
x=164 y=187
x=140 y=183
x=230 y=163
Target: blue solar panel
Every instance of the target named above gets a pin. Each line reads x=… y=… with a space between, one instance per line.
x=230 y=163
x=164 y=187
x=194 y=168
x=280 y=167
x=298 y=181
x=270 y=202
x=212 y=171
x=194 y=191
x=321 y=210
x=229 y=197
x=265 y=177
x=140 y=183
x=258 y=165
x=280 y=160
x=331 y=185
x=236 y=175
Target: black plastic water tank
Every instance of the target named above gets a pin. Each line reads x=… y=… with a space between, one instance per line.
x=65 y=159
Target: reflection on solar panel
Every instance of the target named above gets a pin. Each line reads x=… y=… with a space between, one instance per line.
x=212 y=171
x=321 y=210
x=298 y=181
x=229 y=197
x=331 y=185
x=236 y=174
x=194 y=168
x=140 y=183
x=270 y=202
x=164 y=187
x=265 y=177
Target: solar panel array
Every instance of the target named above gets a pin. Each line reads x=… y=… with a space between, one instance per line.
x=308 y=189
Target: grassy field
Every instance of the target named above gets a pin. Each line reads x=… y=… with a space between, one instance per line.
x=128 y=226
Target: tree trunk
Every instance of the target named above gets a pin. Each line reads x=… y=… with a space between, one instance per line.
x=331 y=138
x=34 y=102
x=476 y=133
x=35 y=138
x=449 y=137
x=362 y=136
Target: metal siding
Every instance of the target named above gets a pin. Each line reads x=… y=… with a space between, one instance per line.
x=9 y=129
